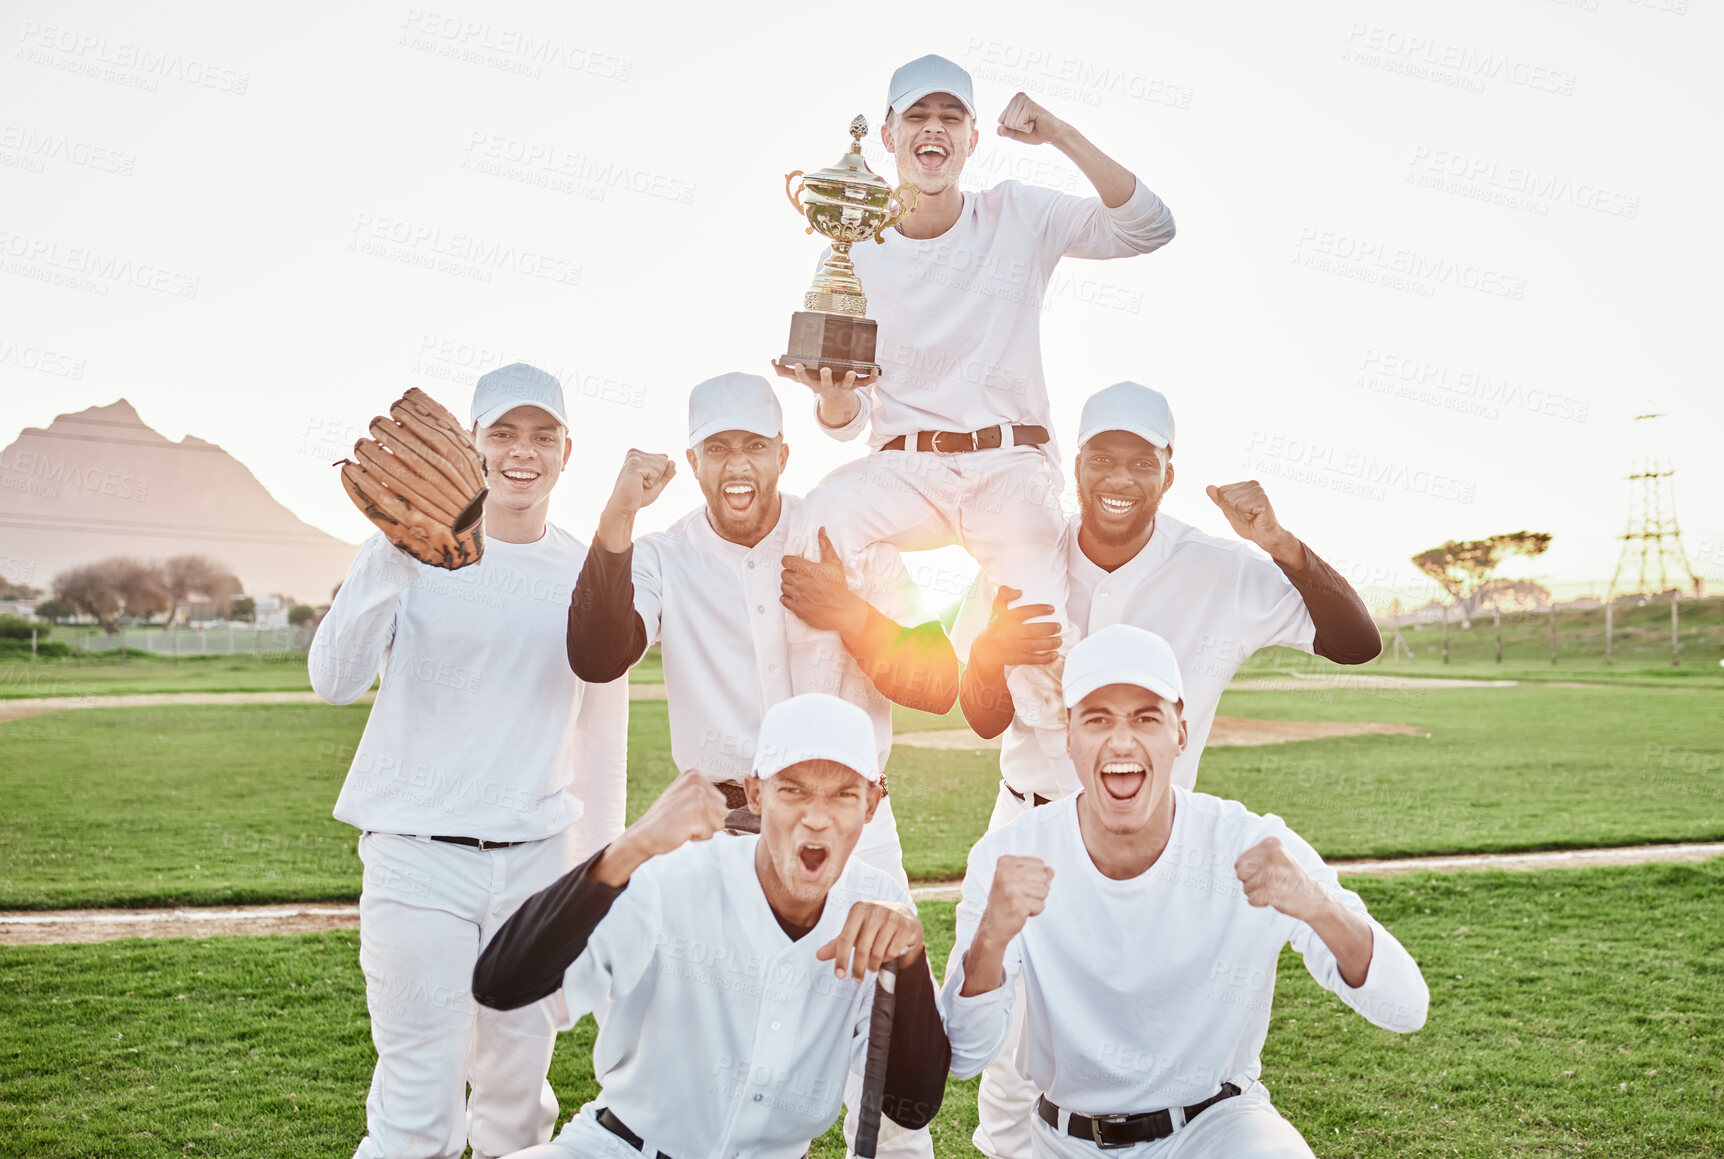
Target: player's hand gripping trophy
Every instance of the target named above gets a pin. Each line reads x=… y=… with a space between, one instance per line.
x=847 y=203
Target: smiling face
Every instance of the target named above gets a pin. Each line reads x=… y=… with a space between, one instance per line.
x=1123 y=741
x=931 y=140
x=1121 y=478
x=738 y=473
x=525 y=452
x=811 y=817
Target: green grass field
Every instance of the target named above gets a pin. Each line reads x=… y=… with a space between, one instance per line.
x=230 y=803
x=1572 y=1013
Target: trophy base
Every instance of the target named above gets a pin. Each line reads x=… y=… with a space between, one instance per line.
x=835 y=342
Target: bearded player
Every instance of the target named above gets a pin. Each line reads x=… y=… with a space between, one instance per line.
x=959 y=418
x=487 y=768
x=1214 y=600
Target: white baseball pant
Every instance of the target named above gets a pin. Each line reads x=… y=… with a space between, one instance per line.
x=426 y=910
x=1002 y=506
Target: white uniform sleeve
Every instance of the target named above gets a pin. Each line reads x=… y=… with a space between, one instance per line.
x=1082 y=227
x=648 y=571
x=1394 y=995
x=353 y=640
x=601 y=765
x=977 y=1026
x=617 y=954
x=1269 y=610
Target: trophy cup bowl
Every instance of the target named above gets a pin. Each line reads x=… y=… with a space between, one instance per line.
x=845 y=204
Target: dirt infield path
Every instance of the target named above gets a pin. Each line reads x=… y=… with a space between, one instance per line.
x=45 y=927
x=1227 y=730
x=37 y=705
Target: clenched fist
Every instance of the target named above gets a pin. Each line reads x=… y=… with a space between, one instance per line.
x=1019 y=893
x=1024 y=120
x=642 y=479
x=692 y=809
x=1272 y=877
x=1253 y=519
x=874 y=933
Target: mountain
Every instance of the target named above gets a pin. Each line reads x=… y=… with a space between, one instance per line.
x=101 y=482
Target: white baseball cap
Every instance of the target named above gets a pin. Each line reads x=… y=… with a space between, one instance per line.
x=816 y=726
x=733 y=402
x=1130 y=407
x=929 y=74
x=517 y=384
x=1122 y=654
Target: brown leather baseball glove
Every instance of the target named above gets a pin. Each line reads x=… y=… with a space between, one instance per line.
x=421 y=481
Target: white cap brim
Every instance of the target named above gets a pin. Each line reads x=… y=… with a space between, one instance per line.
x=1074 y=693
x=914 y=95
x=503 y=408
x=724 y=423
x=1153 y=437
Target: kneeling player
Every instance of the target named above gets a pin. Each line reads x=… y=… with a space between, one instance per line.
x=735 y=975
x=1146 y=921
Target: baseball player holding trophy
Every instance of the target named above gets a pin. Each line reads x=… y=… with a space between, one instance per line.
x=958 y=414
x=487 y=768
x=737 y=976
x=1145 y=922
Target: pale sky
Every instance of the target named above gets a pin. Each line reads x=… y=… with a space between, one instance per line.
x=1431 y=258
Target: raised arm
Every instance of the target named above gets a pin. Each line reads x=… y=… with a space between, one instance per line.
x=531 y=953
x=606 y=635
x=356 y=634
x=1345 y=949
x=997 y=899
x=1345 y=632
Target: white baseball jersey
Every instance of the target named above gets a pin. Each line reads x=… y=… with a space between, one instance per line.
x=711 y=1009
x=1216 y=601
x=1151 y=992
x=480 y=729
x=960 y=314
x=715 y=608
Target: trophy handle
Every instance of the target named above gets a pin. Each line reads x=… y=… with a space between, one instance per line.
x=906 y=196
x=788 y=178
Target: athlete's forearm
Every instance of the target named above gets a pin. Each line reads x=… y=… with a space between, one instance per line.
x=529 y=955
x=920 y=1054
x=606 y=636
x=1112 y=181
x=1348 y=937
x=838 y=409
x=359 y=628
x=915 y=667
x=984 y=962
x=982 y=692
x=1346 y=633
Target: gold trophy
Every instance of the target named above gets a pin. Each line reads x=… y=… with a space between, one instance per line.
x=846 y=204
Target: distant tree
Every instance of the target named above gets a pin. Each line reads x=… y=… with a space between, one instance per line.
x=139 y=585
x=243 y=609
x=185 y=576
x=53 y=611
x=1513 y=595
x=89 y=590
x=15 y=591
x=301 y=614
x=1463 y=568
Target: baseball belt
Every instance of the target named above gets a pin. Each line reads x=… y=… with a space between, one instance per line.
x=961 y=442
x=1110 y=1131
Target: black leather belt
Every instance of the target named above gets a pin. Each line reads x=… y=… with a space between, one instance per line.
x=478 y=842
x=1030 y=799
x=959 y=442
x=1110 y=1131
x=620 y=1129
